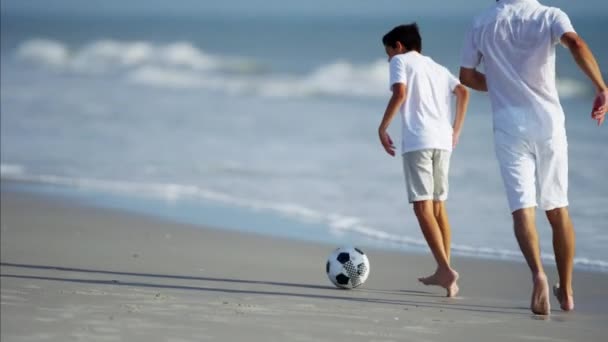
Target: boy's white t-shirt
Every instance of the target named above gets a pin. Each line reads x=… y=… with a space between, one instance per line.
x=426 y=115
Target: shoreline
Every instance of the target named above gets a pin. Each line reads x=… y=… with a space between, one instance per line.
x=71 y=271
x=246 y=220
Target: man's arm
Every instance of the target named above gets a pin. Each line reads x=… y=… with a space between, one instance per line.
x=462 y=102
x=397 y=99
x=473 y=79
x=588 y=64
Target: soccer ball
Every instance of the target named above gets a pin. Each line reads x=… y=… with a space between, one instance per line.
x=347 y=267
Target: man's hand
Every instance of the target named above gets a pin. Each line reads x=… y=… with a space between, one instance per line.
x=588 y=64
x=600 y=107
x=387 y=143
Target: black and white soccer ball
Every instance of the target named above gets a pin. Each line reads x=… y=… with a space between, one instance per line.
x=347 y=267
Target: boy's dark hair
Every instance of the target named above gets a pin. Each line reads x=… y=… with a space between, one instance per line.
x=407 y=35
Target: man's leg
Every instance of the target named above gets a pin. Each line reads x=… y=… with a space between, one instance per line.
x=553 y=184
x=444 y=276
x=564 y=248
x=517 y=160
x=527 y=238
x=441 y=215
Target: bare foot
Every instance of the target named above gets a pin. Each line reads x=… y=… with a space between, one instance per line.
x=445 y=278
x=540 y=295
x=566 y=301
x=452 y=291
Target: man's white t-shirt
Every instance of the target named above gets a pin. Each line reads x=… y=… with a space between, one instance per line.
x=427 y=112
x=515 y=40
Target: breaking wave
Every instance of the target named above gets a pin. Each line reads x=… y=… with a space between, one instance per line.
x=182 y=65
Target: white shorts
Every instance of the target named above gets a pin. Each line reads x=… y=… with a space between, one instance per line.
x=426 y=174
x=529 y=166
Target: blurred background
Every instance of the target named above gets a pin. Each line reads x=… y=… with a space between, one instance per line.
x=262 y=115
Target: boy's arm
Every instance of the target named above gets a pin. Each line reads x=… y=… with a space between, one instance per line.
x=473 y=79
x=397 y=99
x=462 y=102
x=588 y=64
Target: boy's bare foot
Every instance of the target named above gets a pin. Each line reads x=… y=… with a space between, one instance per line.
x=566 y=301
x=452 y=291
x=540 y=295
x=445 y=278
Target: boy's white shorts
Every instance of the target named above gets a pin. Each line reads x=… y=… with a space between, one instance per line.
x=426 y=174
x=530 y=165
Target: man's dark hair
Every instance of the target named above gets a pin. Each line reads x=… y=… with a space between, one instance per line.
x=407 y=35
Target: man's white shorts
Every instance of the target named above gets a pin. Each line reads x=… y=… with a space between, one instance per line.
x=426 y=174
x=528 y=166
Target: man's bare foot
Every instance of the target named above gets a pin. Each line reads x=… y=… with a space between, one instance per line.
x=540 y=295
x=566 y=301
x=445 y=278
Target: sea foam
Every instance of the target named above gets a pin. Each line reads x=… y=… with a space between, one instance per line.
x=183 y=65
x=336 y=223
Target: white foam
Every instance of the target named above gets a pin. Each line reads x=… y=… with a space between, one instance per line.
x=185 y=54
x=11 y=170
x=109 y=55
x=163 y=77
x=183 y=65
x=337 y=223
x=347 y=79
x=45 y=52
x=104 y=55
x=571 y=88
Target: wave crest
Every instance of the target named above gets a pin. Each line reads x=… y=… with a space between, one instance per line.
x=183 y=65
x=109 y=55
x=44 y=52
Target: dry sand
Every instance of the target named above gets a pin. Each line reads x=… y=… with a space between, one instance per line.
x=75 y=273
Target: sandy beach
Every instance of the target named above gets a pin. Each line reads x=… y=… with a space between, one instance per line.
x=75 y=273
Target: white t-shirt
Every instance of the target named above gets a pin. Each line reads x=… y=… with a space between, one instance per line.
x=515 y=40
x=426 y=114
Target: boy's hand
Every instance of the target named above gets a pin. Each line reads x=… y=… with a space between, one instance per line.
x=387 y=143
x=600 y=107
x=455 y=138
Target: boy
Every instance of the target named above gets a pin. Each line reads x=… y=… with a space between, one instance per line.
x=422 y=93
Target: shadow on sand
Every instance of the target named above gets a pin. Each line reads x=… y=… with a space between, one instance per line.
x=328 y=292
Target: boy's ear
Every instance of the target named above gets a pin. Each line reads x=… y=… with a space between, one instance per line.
x=399 y=46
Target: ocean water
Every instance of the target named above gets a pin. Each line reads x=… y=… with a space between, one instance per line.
x=267 y=123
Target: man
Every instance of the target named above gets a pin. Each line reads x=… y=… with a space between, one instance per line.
x=516 y=41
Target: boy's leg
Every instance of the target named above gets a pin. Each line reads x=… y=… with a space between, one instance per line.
x=441 y=215
x=441 y=166
x=564 y=248
x=432 y=232
x=444 y=276
x=418 y=170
